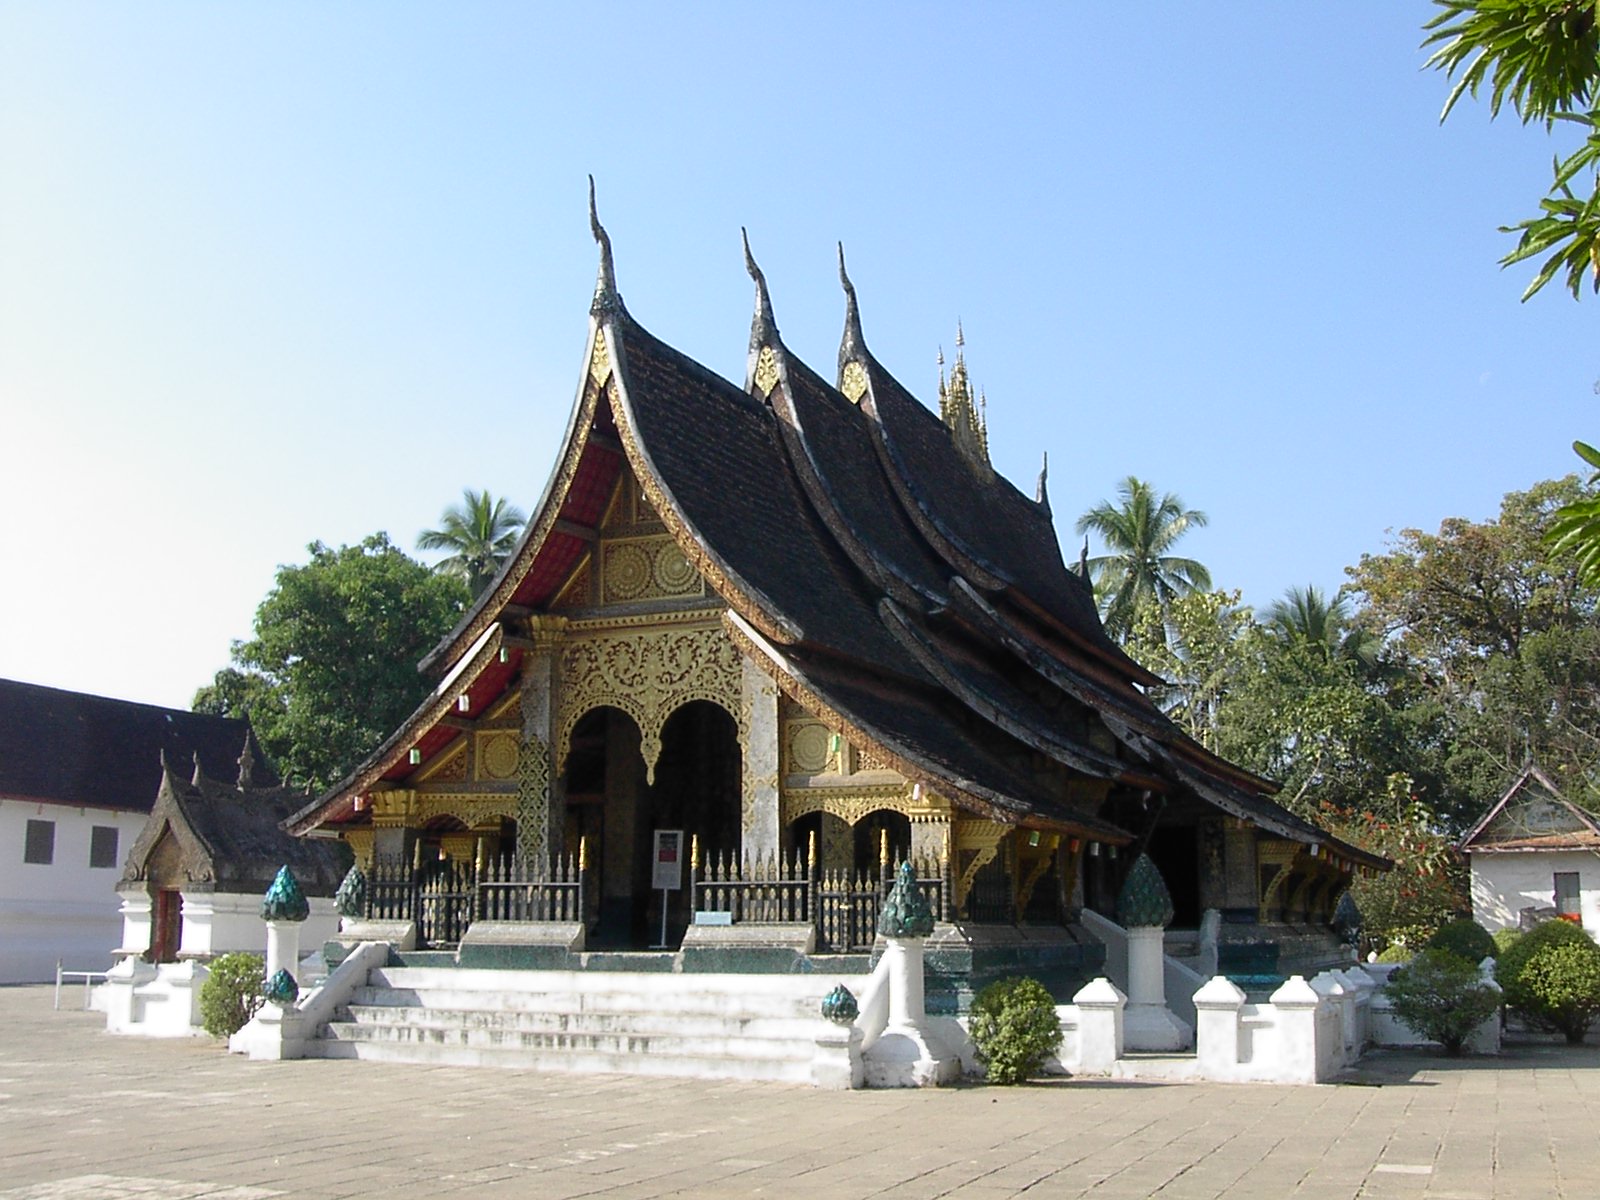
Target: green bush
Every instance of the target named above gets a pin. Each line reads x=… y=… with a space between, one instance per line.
x=1441 y=996
x=1015 y=1028
x=231 y=993
x=1465 y=938
x=1551 y=975
x=1504 y=939
x=1394 y=952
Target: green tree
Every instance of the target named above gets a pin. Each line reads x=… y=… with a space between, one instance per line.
x=1309 y=618
x=1574 y=532
x=480 y=532
x=1199 y=645
x=1543 y=58
x=1497 y=634
x=331 y=669
x=1139 y=532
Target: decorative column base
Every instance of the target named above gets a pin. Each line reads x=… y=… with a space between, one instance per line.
x=908 y=1053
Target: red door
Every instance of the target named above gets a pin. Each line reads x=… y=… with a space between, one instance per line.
x=167 y=933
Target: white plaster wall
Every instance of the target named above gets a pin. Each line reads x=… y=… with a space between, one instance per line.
x=1505 y=883
x=65 y=910
x=225 y=922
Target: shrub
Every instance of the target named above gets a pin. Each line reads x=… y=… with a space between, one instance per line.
x=231 y=993
x=1015 y=1028
x=1441 y=996
x=1466 y=938
x=1504 y=939
x=1394 y=952
x=1551 y=975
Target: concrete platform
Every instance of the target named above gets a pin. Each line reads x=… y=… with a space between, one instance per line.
x=85 y=1114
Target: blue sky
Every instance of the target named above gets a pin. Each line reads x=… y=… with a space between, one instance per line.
x=286 y=272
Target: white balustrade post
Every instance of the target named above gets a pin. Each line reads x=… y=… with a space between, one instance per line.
x=1295 y=1006
x=1100 y=1042
x=1216 y=1031
x=283 y=948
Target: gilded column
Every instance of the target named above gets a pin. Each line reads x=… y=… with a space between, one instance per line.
x=541 y=811
x=758 y=737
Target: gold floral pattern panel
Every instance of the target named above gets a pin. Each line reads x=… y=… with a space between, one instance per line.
x=647 y=672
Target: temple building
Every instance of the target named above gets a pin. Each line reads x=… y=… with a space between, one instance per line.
x=759 y=642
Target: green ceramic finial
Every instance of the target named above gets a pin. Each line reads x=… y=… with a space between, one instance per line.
x=839 y=1006
x=284 y=900
x=905 y=913
x=281 y=989
x=1144 y=899
x=351 y=898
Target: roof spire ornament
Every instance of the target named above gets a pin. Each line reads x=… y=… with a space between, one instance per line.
x=1083 y=560
x=1041 y=496
x=199 y=775
x=606 y=298
x=761 y=371
x=853 y=346
x=247 y=765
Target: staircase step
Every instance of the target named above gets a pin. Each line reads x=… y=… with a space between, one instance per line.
x=551 y=1021
x=426 y=1029
x=782 y=1070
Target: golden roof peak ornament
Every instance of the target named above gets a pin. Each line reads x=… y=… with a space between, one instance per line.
x=606 y=298
x=965 y=416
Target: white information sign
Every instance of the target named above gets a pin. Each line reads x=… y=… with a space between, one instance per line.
x=667 y=865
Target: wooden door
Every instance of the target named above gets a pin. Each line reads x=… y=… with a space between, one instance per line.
x=166 y=934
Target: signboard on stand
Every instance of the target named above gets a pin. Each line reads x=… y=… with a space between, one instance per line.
x=666 y=871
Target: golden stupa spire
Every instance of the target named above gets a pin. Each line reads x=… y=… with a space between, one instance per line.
x=965 y=417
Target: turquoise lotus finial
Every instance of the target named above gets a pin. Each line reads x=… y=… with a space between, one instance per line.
x=284 y=900
x=1144 y=899
x=281 y=989
x=351 y=898
x=905 y=913
x=839 y=1005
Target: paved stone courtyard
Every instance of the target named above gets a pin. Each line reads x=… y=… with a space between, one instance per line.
x=83 y=1114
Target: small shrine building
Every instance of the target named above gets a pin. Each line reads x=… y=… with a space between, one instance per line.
x=804 y=625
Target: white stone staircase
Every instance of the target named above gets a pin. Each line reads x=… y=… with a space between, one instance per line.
x=639 y=1023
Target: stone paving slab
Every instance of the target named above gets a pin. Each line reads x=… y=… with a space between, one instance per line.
x=88 y=1116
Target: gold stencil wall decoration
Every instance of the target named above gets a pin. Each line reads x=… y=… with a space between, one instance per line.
x=360 y=843
x=600 y=360
x=647 y=673
x=853 y=383
x=533 y=800
x=470 y=808
x=766 y=370
x=808 y=748
x=449 y=767
x=848 y=804
x=652 y=568
x=497 y=755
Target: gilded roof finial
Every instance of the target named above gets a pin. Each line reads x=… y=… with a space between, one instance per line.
x=963 y=416
x=1041 y=497
x=1083 y=560
x=606 y=299
x=854 y=344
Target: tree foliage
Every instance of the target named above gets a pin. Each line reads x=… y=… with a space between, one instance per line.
x=1441 y=996
x=1139 y=533
x=331 y=670
x=480 y=532
x=1015 y=1028
x=231 y=993
x=1551 y=975
x=1543 y=58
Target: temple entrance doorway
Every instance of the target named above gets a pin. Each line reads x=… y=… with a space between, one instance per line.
x=610 y=803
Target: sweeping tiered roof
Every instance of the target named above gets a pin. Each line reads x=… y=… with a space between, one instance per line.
x=892 y=584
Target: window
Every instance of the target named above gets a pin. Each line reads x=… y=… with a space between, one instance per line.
x=103 y=846
x=40 y=843
x=1567 y=896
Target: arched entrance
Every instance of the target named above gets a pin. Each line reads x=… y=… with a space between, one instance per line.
x=609 y=803
x=880 y=828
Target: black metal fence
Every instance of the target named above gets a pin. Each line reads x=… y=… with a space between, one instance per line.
x=843 y=905
x=445 y=897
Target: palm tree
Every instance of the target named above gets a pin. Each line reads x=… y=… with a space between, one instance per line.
x=1305 y=616
x=1138 y=532
x=481 y=531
